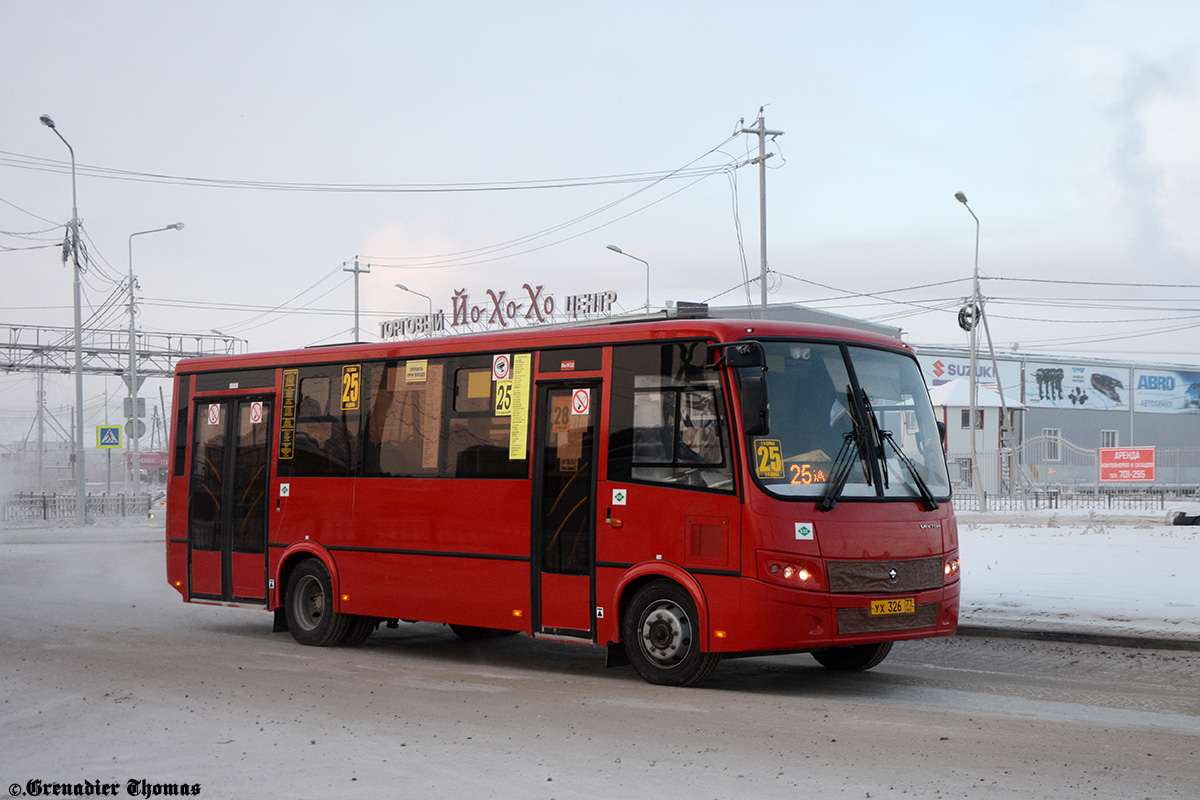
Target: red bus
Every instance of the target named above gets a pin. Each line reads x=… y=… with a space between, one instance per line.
x=675 y=491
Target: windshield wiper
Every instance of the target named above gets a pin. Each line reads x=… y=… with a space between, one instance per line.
x=882 y=436
x=876 y=438
x=840 y=471
x=922 y=486
x=854 y=444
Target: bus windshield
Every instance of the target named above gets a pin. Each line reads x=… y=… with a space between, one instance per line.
x=848 y=422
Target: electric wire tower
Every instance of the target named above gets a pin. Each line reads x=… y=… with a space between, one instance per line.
x=762 y=133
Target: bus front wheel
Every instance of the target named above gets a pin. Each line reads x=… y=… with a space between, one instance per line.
x=854 y=658
x=661 y=632
x=308 y=605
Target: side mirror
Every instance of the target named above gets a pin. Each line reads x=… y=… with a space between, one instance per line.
x=756 y=408
x=941 y=426
x=745 y=354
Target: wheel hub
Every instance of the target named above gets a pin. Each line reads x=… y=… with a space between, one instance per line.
x=666 y=633
x=310 y=603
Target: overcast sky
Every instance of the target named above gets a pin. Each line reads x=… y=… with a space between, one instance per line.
x=1071 y=127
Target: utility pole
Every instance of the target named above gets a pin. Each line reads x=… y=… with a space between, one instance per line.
x=135 y=419
x=357 y=271
x=972 y=322
x=41 y=421
x=80 y=468
x=762 y=133
x=162 y=403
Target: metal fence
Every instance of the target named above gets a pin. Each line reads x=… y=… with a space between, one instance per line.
x=1053 y=472
x=50 y=507
x=1059 y=465
x=967 y=500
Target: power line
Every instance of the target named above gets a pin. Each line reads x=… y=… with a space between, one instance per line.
x=476 y=255
x=1094 y=283
x=35 y=163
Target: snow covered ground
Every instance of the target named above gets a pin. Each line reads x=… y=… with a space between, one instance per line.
x=109 y=677
x=1113 y=573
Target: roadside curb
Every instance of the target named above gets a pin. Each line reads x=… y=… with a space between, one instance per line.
x=1076 y=637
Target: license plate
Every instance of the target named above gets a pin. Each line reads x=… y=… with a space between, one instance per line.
x=903 y=605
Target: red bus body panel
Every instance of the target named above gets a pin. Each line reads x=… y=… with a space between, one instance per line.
x=459 y=550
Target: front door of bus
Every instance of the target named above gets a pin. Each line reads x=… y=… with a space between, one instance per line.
x=564 y=530
x=227 y=499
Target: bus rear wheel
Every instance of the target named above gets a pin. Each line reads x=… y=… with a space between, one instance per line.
x=308 y=605
x=359 y=630
x=854 y=658
x=661 y=633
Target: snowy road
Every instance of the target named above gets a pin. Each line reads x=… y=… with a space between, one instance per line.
x=108 y=677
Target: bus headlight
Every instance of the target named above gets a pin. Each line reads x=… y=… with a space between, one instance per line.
x=950 y=570
x=790 y=570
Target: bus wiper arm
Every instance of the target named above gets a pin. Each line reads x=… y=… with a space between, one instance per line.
x=876 y=439
x=922 y=486
x=840 y=471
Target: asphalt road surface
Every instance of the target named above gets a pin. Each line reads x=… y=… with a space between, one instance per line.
x=108 y=678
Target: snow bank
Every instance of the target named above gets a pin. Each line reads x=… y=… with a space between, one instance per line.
x=1120 y=573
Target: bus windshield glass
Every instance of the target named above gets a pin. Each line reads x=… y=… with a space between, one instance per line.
x=848 y=422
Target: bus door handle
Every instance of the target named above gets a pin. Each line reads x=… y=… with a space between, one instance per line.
x=616 y=523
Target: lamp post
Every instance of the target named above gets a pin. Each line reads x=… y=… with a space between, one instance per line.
x=233 y=339
x=429 y=329
x=618 y=250
x=80 y=470
x=135 y=418
x=976 y=312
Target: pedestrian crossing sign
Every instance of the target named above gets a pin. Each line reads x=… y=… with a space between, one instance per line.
x=108 y=436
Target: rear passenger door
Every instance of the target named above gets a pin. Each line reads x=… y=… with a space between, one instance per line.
x=227 y=502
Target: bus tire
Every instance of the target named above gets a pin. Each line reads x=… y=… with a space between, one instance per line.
x=471 y=633
x=854 y=658
x=359 y=630
x=661 y=633
x=308 y=605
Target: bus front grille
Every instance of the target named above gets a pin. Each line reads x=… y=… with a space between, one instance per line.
x=860 y=620
x=885 y=577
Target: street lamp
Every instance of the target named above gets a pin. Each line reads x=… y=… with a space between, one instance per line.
x=429 y=330
x=616 y=249
x=225 y=335
x=80 y=470
x=976 y=311
x=135 y=419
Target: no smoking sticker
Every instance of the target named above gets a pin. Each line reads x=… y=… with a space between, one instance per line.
x=256 y=412
x=581 y=401
x=214 y=414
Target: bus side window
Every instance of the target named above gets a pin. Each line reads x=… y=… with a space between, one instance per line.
x=181 y=421
x=478 y=437
x=327 y=437
x=405 y=420
x=668 y=418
